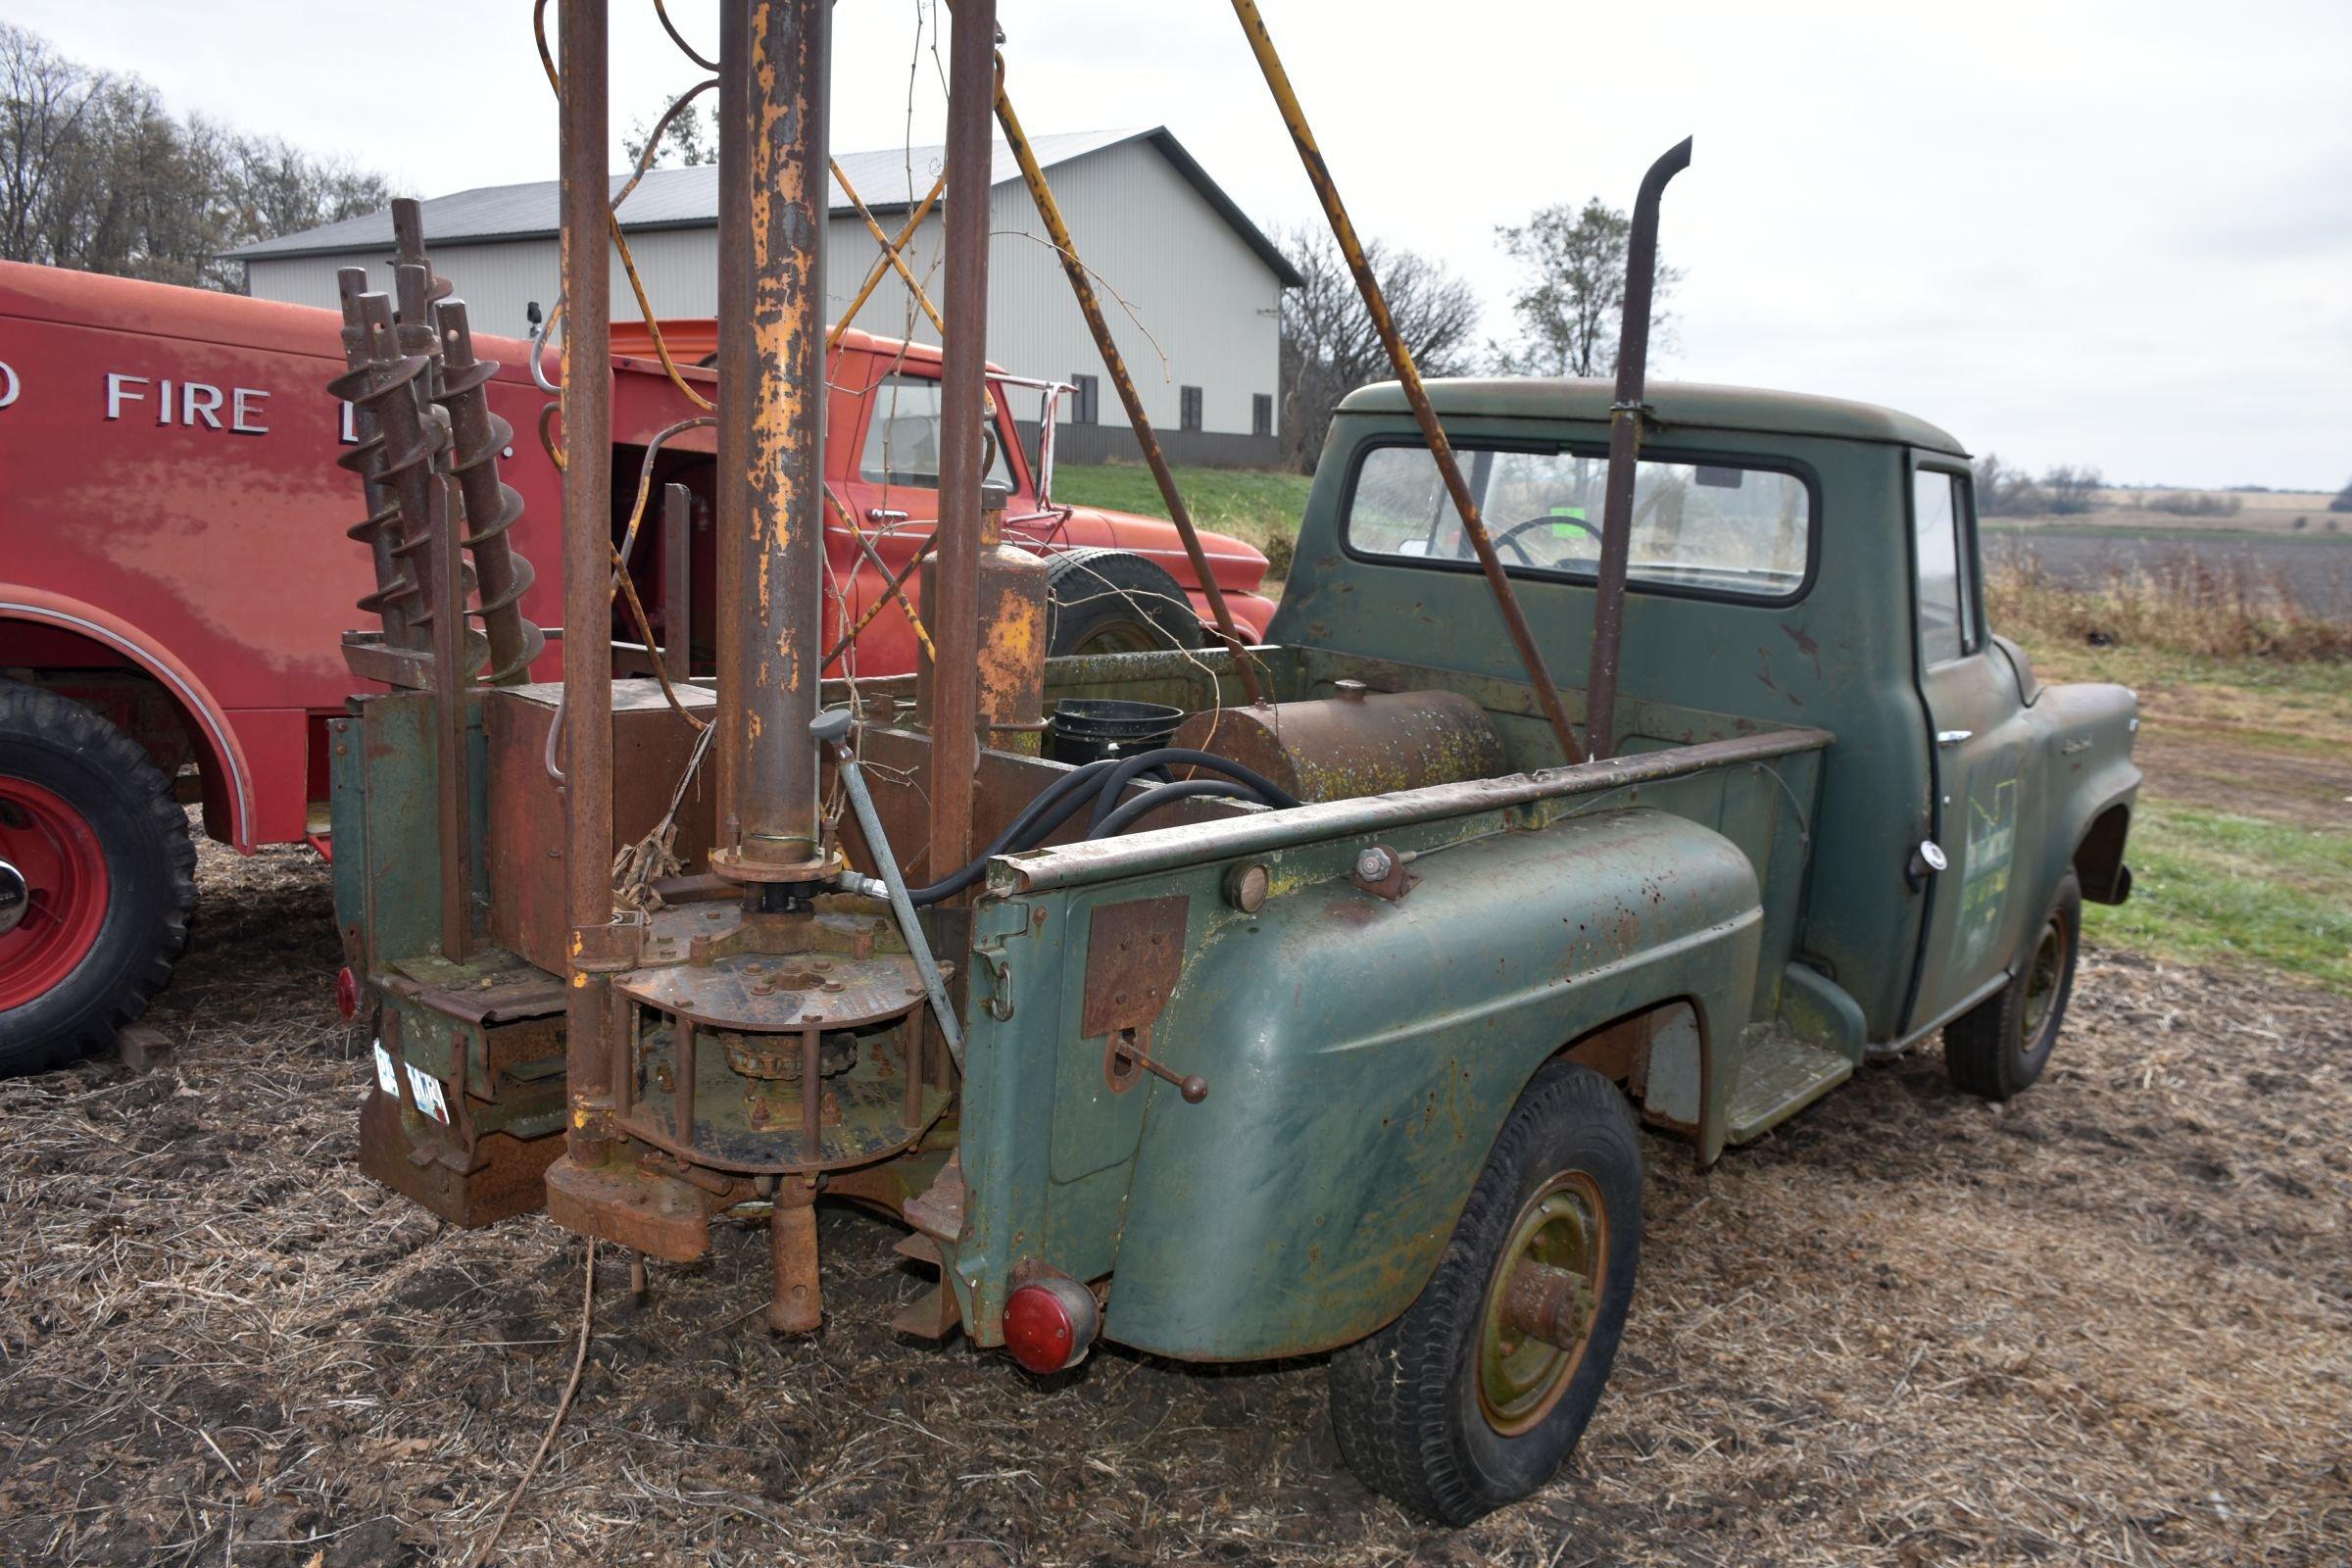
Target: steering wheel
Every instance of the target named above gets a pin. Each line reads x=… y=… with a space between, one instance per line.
x=1510 y=536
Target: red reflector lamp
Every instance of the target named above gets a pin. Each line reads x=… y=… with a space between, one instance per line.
x=1050 y=1324
x=347 y=994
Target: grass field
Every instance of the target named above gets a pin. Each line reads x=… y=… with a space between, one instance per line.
x=2242 y=850
x=1246 y=502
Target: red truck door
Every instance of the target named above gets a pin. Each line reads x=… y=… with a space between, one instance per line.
x=884 y=462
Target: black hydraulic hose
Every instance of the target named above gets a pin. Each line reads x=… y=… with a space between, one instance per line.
x=1106 y=801
x=1075 y=788
x=1100 y=782
x=1152 y=799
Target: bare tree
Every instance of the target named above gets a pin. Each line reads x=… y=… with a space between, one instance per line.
x=97 y=175
x=689 y=141
x=1574 y=261
x=2004 y=491
x=2343 y=499
x=1329 y=347
x=2071 y=490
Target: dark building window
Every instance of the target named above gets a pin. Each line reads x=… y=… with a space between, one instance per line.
x=1086 y=399
x=1262 y=414
x=1188 y=407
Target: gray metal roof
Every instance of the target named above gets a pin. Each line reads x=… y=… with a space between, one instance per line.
x=688 y=198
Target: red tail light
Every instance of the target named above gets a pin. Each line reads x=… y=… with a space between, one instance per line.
x=1050 y=1324
x=347 y=994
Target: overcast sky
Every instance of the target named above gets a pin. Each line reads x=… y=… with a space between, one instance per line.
x=2118 y=234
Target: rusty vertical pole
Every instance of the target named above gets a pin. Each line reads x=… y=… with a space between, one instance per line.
x=962 y=395
x=1625 y=451
x=731 y=505
x=773 y=423
x=1409 y=378
x=587 y=377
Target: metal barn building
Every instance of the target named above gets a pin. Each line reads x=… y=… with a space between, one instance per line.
x=1192 y=287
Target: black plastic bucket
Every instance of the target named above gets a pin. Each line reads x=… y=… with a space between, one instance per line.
x=1088 y=729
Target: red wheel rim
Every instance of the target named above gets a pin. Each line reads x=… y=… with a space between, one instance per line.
x=54 y=848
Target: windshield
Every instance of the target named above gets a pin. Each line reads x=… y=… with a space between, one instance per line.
x=1724 y=527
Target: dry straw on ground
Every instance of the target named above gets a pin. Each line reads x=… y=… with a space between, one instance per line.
x=2111 y=1323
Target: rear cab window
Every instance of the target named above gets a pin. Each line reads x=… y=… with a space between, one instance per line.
x=1730 y=528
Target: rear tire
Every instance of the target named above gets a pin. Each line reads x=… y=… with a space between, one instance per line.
x=1104 y=600
x=1453 y=1410
x=2000 y=1047
x=110 y=875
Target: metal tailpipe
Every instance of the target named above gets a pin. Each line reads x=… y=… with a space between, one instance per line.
x=1626 y=414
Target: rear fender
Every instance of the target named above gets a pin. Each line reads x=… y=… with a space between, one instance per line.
x=1362 y=1055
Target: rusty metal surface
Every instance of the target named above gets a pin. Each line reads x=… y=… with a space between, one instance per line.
x=1134 y=952
x=501 y=574
x=526 y=816
x=780 y=993
x=493 y=986
x=394 y=386
x=1137 y=854
x=1355 y=744
x=772 y=420
x=729 y=1122
x=1401 y=359
x=1625 y=450
x=397 y=591
x=731 y=503
x=587 y=556
x=963 y=391
x=1048 y=209
x=796 y=1302
x=657 y=1213
x=508 y=1178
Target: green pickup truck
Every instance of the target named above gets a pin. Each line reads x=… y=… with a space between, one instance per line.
x=1349 y=1052
x=1843 y=815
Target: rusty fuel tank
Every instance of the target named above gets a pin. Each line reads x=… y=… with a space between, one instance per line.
x=1362 y=742
x=1013 y=591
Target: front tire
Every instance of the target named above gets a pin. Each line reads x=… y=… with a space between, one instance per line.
x=100 y=883
x=1102 y=601
x=1999 y=1047
x=1476 y=1396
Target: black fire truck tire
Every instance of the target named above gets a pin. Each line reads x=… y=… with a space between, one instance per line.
x=112 y=879
x=1998 y=1047
x=1413 y=1407
x=1104 y=600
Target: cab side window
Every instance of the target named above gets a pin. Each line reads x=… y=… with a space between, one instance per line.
x=1948 y=591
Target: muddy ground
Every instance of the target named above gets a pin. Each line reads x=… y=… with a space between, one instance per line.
x=2110 y=1323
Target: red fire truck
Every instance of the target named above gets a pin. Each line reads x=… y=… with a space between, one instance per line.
x=176 y=583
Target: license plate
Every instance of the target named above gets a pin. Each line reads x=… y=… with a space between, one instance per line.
x=429 y=1096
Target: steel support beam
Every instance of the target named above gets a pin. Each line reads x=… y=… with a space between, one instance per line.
x=963 y=398
x=587 y=566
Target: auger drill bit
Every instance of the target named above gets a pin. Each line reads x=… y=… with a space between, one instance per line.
x=435 y=326
x=384 y=385
x=476 y=437
x=397 y=593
